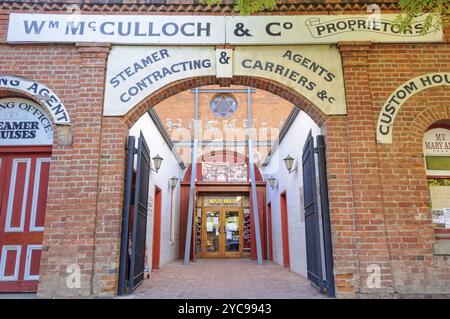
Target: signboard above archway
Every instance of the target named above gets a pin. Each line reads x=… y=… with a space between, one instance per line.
x=134 y=73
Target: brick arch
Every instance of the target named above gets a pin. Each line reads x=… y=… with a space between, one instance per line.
x=259 y=83
x=422 y=122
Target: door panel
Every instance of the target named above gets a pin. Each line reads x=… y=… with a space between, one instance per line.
x=313 y=250
x=211 y=232
x=139 y=220
x=233 y=232
x=285 y=231
x=156 y=230
x=222 y=232
x=23 y=188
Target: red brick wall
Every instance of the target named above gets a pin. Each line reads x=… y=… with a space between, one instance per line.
x=378 y=193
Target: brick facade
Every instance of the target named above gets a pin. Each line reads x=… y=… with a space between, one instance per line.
x=378 y=193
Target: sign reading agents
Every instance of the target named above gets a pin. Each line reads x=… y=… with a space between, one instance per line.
x=313 y=71
x=176 y=30
x=23 y=122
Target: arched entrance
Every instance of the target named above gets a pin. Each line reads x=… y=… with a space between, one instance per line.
x=221 y=191
x=26 y=141
x=223 y=225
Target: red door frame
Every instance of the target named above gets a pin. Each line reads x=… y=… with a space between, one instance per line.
x=284 y=230
x=269 y=231
x=26 y=238
x=156 y=247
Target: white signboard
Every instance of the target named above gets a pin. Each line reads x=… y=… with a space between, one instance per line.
x=325 y=29
x=436 y=142
x=23 y=122
x=313 y=71
x=124 y=29
x=186 y=29
x=53 y=104
x=136 y=72
x=403 y=93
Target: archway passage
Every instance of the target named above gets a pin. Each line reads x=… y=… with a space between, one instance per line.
x=25 y=157
x=224 y=224
x=222 y=203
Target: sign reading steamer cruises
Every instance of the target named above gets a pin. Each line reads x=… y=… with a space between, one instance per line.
x=177 y=30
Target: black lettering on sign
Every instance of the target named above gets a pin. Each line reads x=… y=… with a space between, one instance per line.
x=18 y=130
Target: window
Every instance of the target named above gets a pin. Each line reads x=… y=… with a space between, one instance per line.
x=223 y=105
x=436 y=149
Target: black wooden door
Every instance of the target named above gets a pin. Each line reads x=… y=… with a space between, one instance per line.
x=313 y=246
x=134 y=219
x=140 y=210
x=326 y=223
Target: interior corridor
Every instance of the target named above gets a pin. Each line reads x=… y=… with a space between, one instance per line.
x=237 y=278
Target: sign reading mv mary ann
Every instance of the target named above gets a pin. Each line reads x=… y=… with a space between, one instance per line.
x=176 y=30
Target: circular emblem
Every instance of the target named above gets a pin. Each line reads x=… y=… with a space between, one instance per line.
x=223 y=105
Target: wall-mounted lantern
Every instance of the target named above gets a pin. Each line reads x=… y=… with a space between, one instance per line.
x=273 y=182
x=289 y=162
x=173 y=182
x=157 y=160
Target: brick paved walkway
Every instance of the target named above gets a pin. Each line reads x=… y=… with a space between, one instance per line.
x=225 y=278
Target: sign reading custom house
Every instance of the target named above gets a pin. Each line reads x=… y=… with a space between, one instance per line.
x=135 y=72
x=177 y=30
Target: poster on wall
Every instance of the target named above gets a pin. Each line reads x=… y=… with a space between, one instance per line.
x=440 y=201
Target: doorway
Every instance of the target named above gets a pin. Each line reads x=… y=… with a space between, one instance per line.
x=222 y=232
x=24 y=176
x=269 y=232
x=156 y=230
x=284 y=231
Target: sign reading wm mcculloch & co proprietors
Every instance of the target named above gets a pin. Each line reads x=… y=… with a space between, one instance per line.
x=136 y=72
x=176 y=30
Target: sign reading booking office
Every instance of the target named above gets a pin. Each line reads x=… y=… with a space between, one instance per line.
x=177 y=30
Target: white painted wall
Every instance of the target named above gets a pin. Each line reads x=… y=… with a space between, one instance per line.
x=292 y=145
x=170 y=167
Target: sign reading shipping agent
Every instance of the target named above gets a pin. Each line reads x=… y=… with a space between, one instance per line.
x=23 y=122
x=235 y=30
x=136 y=72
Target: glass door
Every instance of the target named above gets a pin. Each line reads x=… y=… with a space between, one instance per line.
x=211 y=232
x=232 y=232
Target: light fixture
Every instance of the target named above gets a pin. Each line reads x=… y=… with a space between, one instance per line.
x=157 y=160
x=289 y=162
x=273 y=182
x=173 y=182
